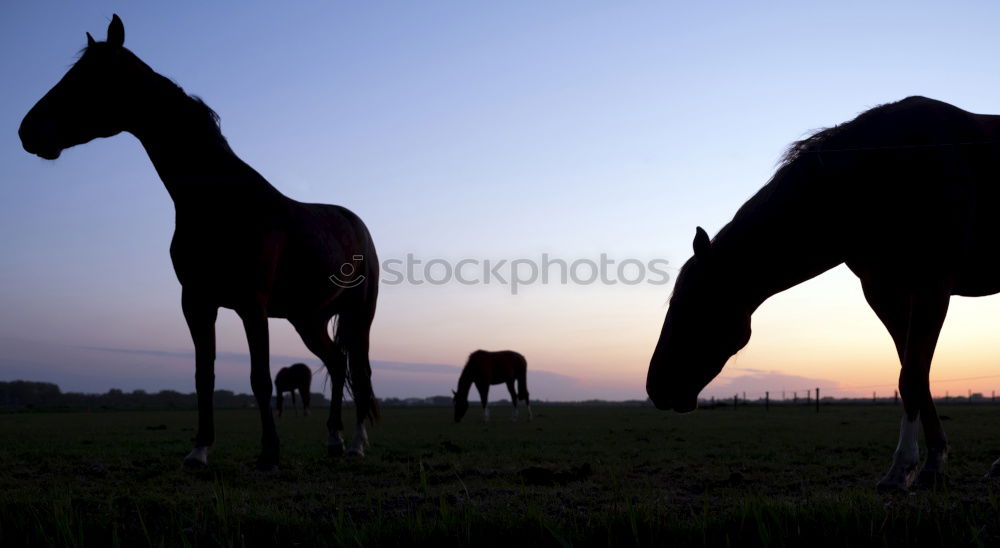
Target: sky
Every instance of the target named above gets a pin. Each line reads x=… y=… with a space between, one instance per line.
x=482 y=131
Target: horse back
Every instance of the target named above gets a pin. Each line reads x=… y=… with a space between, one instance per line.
x=915 y=179
x=328 y=255
x=498 y=367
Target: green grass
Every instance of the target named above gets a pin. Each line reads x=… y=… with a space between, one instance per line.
x=581 y=476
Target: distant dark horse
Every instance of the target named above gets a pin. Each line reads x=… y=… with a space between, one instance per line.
x=297 y=376
x=486 y=368
x=907 y=195
x=238 y=242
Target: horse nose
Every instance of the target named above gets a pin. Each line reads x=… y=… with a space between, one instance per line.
x=38 y=137
x=27 y=134
x=658 y=397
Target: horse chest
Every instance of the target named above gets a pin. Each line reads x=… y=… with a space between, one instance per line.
x=224 y=260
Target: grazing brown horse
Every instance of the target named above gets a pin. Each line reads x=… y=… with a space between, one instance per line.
x=297 y=376
x=486 y=368
x=906 y=195
x=238 y=242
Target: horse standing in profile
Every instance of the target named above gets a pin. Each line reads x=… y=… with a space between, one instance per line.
x=486 y=368
x=907 y=196
x=297 y=376
x=238 y=242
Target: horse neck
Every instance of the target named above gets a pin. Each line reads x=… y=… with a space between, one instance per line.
x=187 y=148
x=465 y=381
x=790 y=232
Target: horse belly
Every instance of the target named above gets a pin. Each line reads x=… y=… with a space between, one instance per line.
x=979 y=270
x=221 y=268
x=980 y=278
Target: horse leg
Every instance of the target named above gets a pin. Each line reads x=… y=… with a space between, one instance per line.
x=357 y=343
x=280 y=404
x=305 y=400
x=914 y=320
x=523 y=387
x=513 y=399
x=484 y=393
x=294 y=408
x=200 y=318
x=316 y=338
x=914 y=383
x=255 y=324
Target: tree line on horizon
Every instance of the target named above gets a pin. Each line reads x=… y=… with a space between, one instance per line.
x=22 y=394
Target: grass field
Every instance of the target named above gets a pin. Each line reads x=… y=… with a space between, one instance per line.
x=582 y=476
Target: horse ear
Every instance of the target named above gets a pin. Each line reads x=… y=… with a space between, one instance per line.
x=116 y=32
x=702 y=245
x=90 y=40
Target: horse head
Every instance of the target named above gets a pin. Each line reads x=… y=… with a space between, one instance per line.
x=92 y=100
x=706 y=324
x=461 y=405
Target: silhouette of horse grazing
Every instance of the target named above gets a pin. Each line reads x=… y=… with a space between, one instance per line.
x=238 y=242
x=297 y=376
x=486 y=368
x=906 y=195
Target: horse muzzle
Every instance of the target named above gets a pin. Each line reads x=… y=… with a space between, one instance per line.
x=665 y=401
x=34 y=136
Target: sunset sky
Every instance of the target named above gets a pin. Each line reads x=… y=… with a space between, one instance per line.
x=475 y=130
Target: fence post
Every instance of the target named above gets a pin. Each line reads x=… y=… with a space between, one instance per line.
x=817 y=399
x=895 y=397
x=767 y=401
x=736 y=400
x=874 y=399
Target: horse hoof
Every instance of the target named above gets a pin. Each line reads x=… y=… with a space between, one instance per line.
x=266 y=467
x=931 y=479
x=194 y=464
x=355 y=453
x=994 y=471
x=197 y=458
x=335 y=451
x=898 y=479
x=268 y=460
x=889 y=488
x=894 y=483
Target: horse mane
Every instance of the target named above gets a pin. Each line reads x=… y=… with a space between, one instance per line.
x=468 y=370
x=805 y=154
x=197 y=108
x=193 y=105
x=818 y=140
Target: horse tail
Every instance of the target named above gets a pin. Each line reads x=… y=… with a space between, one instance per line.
x=322 y=367
x=522 y=381
x=374 y=410
x=357 y=376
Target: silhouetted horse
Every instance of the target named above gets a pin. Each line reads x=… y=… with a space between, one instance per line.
x=486 y=368
x=238 y=242
x=297 y=376
x=907 y=196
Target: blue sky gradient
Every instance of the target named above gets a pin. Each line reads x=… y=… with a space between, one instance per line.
x=484 y=130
